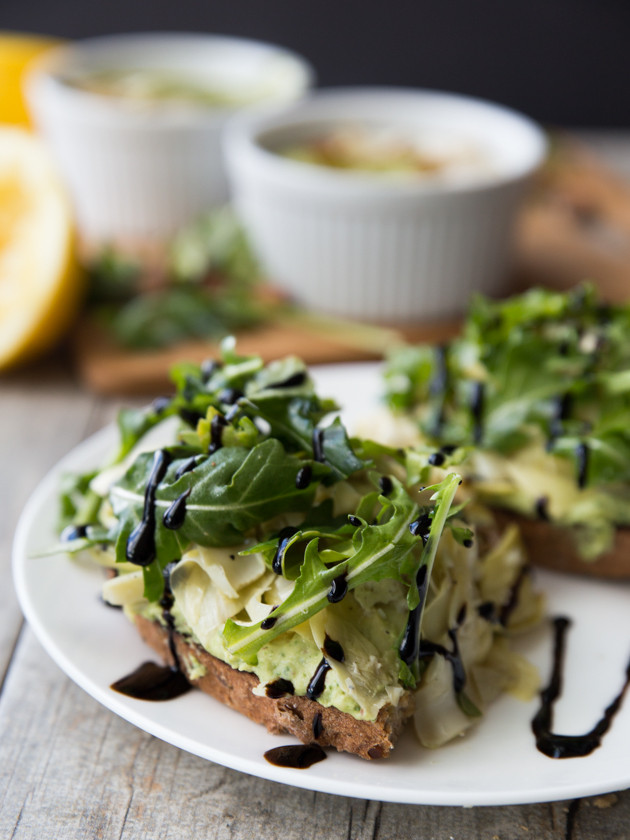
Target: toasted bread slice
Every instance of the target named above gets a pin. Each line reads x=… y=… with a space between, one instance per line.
x=553 y=547
x=289 y=714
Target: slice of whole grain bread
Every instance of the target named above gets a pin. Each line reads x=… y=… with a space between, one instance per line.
x=288 y=714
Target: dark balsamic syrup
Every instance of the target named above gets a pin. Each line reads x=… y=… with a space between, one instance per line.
x=153 y=682
x=385 y=485
x=304 y=476
x=160 y=404
x=477 y=401
x=140 y=548
x=581 y=456
x=175 y=514
x=208 y=368
x=338 y=589
x=190 y=417
x=512 y=600
x=268 y=623
x=569 y=746
x=333 y=649
x=188 y=465
x=429 y=649
x=317 y=725
x=230 y=396
x=438 y=387
x=421 y=526
x=73 y=532
x=284 y=536
x=354 y=520
x=410 y=643
x=541 y=508
x=436 y=459
x=318 y=446
x=298 y=756
x=294 y=381
x=279 y=688
x=217 y=424
x=317 y=683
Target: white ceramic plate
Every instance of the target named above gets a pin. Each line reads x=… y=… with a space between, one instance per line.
x=496 y=764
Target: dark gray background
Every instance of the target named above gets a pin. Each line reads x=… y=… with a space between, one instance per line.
x=564 y=62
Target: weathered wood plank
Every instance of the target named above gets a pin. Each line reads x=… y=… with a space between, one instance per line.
x=42 y=416
x=69 y=763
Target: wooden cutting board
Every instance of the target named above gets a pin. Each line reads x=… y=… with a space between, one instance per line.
x=575 y=227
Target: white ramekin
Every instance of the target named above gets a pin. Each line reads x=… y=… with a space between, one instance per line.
x=134 y=173
x=372 y=246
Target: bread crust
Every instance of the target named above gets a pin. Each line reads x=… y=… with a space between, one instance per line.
x=553 y=546
x=289 y=714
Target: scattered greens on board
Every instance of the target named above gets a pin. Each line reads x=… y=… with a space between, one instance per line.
x=211 y=274
x=541 y=374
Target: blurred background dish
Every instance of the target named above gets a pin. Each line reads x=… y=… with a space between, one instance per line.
x=390 y=245
x=135 y=123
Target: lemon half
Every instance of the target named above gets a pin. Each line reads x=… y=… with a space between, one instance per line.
x=40 y=283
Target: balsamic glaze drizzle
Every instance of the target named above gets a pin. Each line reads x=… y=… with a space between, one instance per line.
x=284 y=536
x=279 y=688
x=217 y=424
x=318 y=680
x=190 y=417
x=208 y=367
x=569 y=746
x=304 y=476
x=436 y=459
x=318 y=445
x=175 y=513
x=338 y=589
x=581 y=456
x=354 y=520
x=410 y=644
x=438 y=387
x=230 y=396
x=140 y=548
x=333 y=649
x=160 y=404
x=294 y=381
x=298 y=756
x=541 y=508
x=562 y=406
x=268 y=623
x=152 y=681
x=428 y=649
x=421 y=526
x=317 y=725
x=73 y=532
x=385 y=485
x=510 y=605
x=477 y=401
x=188 y=465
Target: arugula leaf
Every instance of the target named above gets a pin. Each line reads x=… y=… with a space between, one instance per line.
x=389 y=548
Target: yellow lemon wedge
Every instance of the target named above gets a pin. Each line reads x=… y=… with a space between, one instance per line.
x=17 y=53
x=40 y=282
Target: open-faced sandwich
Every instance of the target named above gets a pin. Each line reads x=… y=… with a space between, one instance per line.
x=536 y=392
x=325 y=587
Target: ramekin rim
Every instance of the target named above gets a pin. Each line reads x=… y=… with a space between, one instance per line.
x=242 y=139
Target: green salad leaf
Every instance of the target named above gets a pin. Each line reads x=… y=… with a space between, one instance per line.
x=541 y=366
x=207 y=293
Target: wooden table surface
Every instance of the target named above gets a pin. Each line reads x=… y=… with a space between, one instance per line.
x=71 y=769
